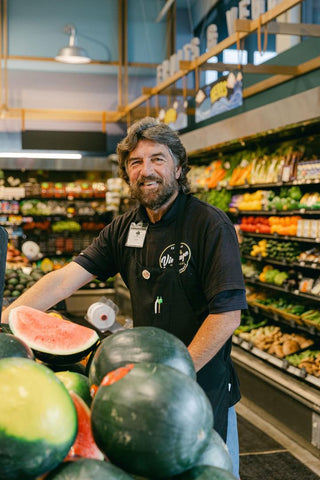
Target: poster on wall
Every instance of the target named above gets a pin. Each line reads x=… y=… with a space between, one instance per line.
x=175 y=115
x=218 y=97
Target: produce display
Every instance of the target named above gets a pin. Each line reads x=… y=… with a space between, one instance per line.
x=287 y=163
x=38 y=420
x=84 y=444
x=216 y=453
x=285 y=252
x=289 y=280
x=287 y=225
x=17 y=280
x=272 y=340
x=154 y=421
x=146 y=419
x=52 y=338
x=219 y=198
x=140 y=344
x=14 y=257
x=309 y=360
x=12 y=346
x=77 y=383
x=88 y=469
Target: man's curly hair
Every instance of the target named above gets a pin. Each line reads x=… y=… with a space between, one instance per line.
x=151 y=129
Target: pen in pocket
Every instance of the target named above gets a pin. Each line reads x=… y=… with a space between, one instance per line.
x=157 y=304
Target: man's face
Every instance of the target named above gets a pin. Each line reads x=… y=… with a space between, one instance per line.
x=152 y=174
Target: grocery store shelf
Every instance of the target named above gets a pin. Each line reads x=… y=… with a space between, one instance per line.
x=288 y=402
x=258 y=186
x=281 y=363
x=281 y=237
x=283 y=263
x=286 y=213
x=271 y=286
x=280 y=317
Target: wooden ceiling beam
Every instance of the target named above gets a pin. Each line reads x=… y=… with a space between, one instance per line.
x=61 y=115
x=171 y=91
x=303 y=68
x=282 y=28
x=265 y=18
x=248 y=68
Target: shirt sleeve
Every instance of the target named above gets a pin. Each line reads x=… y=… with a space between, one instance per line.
x=98 y=258
x=221 y=264
x=228 y=301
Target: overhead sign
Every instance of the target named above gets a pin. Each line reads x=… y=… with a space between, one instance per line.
x=221 y=96
x=175 y=115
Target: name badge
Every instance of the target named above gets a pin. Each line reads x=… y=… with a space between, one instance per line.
x=136 y=235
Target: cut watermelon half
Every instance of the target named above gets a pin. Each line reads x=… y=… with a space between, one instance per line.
x=53 y=340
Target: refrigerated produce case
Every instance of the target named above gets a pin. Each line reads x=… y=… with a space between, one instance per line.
x=269 y=188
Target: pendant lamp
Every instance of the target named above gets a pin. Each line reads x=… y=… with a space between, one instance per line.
x=72 y=53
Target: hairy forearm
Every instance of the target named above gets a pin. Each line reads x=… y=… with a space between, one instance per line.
x=211 y=336
x=51 y=289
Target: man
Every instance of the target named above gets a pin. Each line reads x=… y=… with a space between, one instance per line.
x=179 y=258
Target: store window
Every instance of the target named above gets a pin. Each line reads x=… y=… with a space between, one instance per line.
x=262 y=57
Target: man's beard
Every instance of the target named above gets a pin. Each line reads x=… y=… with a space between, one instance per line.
x=154 y=199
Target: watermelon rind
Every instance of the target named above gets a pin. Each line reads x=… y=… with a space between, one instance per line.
x=205 y=472
x=88 y=469
x=54 y=340
x=12 y=346
x=137 y=345
x=77 y=383
x=38 y=420
x=154 y=422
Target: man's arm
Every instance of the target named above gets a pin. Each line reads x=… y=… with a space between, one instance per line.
x=212 y=335
x=51 y=288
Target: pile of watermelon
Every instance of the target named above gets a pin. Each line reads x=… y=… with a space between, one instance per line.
x=135 y=410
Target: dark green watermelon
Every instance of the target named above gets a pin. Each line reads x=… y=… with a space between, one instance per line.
x=136 y=345
x=154 y=421
x=88 y=469
x=77 y=383
x=216 y=454
x=206 y=472
x=11 y=346
x=38 y=420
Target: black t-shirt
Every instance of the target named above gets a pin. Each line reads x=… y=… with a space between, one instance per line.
x=211 y=259
x=209 y=277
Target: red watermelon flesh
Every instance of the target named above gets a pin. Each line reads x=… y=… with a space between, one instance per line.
x=84 y=445
x=53 y=339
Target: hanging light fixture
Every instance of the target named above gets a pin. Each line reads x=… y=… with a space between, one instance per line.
x=72 y=53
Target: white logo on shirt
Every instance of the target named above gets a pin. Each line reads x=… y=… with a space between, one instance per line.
x=167 y=257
